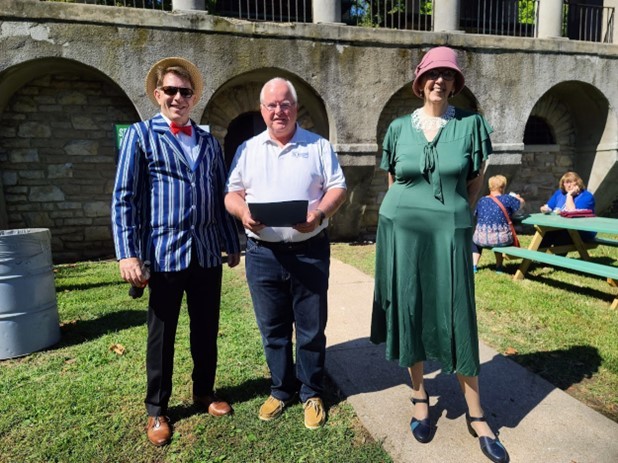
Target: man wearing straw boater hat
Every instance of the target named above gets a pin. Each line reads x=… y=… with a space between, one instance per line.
x=168 y=209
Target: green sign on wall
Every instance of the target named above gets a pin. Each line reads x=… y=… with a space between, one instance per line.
x=120 y=130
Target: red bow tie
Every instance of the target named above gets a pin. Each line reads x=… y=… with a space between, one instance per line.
x=176 y=128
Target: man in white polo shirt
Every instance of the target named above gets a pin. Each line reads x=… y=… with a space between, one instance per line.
x=288 y=267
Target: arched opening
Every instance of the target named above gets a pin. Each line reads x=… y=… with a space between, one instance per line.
x=241 y=95
x=57 y=153
x=570 y=128
x=538 y=132
x=241 y=129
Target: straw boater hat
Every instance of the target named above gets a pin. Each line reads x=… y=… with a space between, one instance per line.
x=196 y=76
x=438 y=57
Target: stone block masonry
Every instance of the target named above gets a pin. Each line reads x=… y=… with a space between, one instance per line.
x=58 y=163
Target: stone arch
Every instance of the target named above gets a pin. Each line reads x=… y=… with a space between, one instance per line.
x=57 y=152
x=585 y=133
x=558 y=117
x=241 y=94
x=401 y=102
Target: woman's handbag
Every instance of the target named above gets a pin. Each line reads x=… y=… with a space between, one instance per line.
x=508 y=219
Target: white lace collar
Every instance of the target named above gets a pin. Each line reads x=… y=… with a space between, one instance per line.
x=421 y=121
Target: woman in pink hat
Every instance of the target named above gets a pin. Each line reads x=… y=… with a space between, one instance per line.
x=424 y=304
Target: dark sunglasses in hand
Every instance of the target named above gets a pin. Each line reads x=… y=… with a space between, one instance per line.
x=172 y=91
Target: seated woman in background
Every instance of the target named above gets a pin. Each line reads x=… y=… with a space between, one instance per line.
x=571 y=195
x=492 y=226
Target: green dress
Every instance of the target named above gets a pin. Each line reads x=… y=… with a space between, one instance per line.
x=424 y=304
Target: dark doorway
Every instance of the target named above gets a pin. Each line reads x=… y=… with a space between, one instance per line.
x=241 y=129
x=538 y=132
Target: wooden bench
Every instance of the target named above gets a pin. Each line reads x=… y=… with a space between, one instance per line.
x=592 y=244
x=584 y=266
x=563 y=249
x=603 y=241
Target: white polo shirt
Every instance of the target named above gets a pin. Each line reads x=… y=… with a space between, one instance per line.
x=304 y=169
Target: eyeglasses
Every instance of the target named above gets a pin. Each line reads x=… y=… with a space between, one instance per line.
x=272 y=107
x=446 y=74
x=172 y=91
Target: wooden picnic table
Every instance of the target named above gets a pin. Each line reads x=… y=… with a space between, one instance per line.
x=544 y=223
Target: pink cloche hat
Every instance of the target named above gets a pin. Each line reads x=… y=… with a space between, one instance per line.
x=438 y=57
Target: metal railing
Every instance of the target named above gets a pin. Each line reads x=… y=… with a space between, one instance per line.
x=517 y=18
x=492 y=17
x=392 y=14
x=162 y=5
x=590 y=23
x=264 y=10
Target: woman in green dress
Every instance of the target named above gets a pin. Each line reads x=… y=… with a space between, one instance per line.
x=424 y=304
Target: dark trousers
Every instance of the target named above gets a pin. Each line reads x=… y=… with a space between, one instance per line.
x=203 y=289
x=289 y=289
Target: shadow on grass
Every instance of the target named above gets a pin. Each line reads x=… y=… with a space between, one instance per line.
x=509 y=391
x=60 y=288
x=81 y=331
x=546 y=278
x=257 y=387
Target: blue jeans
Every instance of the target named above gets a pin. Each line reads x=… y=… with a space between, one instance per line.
x=289 y=288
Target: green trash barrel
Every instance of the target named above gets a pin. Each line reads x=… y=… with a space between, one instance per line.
x=28 y=309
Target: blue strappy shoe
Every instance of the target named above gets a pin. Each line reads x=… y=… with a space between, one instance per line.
x=491 y=448
x=421 y=429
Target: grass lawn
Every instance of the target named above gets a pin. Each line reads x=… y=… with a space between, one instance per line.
x=556 y=323
x=82 y=400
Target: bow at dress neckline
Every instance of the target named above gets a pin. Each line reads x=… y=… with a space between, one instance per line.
x=430 y=168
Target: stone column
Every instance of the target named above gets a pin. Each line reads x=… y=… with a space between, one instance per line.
x=326 y=11
x=613 y=32
x=445 y=15
x=199 y=5
x=550 y=19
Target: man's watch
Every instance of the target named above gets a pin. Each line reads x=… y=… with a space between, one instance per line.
x=322 y=215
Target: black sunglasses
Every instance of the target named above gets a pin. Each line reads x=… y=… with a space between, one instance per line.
x=446 y=74
x=172 y=91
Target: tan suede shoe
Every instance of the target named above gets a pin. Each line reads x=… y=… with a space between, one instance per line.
x=271 y=409
x=315 y=414
x=159 y=430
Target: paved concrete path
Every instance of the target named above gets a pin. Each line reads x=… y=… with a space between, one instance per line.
x=537 y=422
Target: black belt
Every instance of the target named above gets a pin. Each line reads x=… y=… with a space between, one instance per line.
x=289 y=246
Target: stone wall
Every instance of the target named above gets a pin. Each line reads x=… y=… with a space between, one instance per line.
x=57 y=160
x=538 y=175
x=89 y=62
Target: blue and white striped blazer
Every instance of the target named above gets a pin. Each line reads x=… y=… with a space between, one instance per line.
x=161 y=208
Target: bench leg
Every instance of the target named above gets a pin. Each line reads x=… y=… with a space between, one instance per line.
x=535 y=243
x=614 y=283
x=579 y=244
x=523 y=268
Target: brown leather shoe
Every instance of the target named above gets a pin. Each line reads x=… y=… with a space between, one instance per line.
x=159 y=430
x=214 y=405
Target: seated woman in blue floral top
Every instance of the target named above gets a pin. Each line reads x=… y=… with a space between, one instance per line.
x=492 y=227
